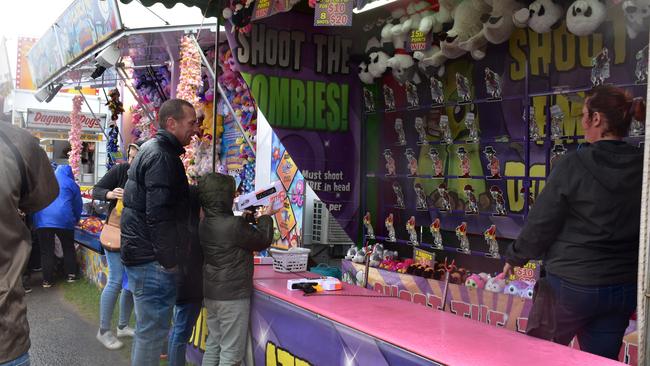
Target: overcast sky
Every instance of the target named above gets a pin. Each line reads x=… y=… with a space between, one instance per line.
x=31 y=18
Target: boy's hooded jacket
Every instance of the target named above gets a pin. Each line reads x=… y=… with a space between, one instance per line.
x=228 y=241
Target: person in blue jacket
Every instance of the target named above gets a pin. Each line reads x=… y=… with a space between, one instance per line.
x=60 y=219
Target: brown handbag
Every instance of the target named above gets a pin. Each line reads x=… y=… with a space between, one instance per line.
x=110 y=236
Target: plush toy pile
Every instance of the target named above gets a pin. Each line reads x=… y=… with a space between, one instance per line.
x=379 y=257
x=153 y=85
x=466 y=27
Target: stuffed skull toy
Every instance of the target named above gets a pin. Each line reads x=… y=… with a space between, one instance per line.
x=497 y=28
x=583 y=17
x=637 y=13
x=541 y=16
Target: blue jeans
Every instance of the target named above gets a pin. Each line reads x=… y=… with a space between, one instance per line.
x=23 y=360
x=184 y=319
x=598 y=315
x=110 y=293
x=154 y=291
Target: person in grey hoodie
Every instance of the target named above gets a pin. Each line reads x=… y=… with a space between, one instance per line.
x=585 y=228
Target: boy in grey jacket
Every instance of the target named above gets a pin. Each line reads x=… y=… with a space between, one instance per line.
x=228 y=243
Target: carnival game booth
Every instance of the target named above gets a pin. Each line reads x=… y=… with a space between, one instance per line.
x=430 y=132
x=438 y=144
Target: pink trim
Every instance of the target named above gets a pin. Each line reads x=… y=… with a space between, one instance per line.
x=435 y=335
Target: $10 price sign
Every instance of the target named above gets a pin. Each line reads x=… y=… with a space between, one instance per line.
x=333 y=13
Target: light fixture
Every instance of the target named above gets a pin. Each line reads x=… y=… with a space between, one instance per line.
x=373 y=5
x=105 y=59
x=47 y=93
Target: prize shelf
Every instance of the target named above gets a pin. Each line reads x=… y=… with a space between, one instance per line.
x=431 y=246
x=456 y=212
x=566 y=90
x=446 y=104
x=482 y=142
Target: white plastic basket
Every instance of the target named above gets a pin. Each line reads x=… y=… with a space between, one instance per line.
x=293 y=260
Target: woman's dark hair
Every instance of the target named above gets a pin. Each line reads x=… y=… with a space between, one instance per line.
x=615 y=104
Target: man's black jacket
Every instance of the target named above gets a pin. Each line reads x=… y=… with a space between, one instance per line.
x=156 y=204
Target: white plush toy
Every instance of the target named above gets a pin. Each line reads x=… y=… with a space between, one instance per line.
x=402 y=63
x=351 y=252
x=583 y=17
x=467 y=23
x=415 y=10
x=637 y=13
x=360 y=256
x=433 y=21
x=498 y=27
x=377 y=61
x=541 y=16
x=428 y=69
x=364 y=74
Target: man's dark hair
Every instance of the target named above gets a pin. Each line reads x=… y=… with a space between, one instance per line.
x=172 y=108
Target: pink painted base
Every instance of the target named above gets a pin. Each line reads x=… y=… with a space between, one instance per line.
x=436 y=335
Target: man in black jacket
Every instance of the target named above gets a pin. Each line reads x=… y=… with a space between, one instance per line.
x=585 y=226
x=155 y=227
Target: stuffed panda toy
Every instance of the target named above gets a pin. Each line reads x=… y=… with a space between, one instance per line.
x=583 y=17
x=541 y=16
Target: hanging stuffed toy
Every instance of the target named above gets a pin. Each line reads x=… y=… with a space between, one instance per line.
x=583 y=17
x=402 y=63
x=497 y=28
x=467 y=23
x=541 y=16
x=111 y=146
x=414 y=12
x=115 y=105
x=434 y=18
x=637 y=14
x=240 y=12
x=377 y=58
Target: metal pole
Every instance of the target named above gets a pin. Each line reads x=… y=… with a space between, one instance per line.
x=93 y=113
x=214 y=93
x=643 y=290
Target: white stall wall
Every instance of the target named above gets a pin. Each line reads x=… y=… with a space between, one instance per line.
x=263 y=172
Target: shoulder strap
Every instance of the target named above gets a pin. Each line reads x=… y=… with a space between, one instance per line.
x=19 y=160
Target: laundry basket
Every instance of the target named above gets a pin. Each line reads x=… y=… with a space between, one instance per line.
x=292 y=260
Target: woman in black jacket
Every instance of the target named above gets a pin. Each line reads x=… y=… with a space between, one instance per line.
x=585 y=227
x=111 y=188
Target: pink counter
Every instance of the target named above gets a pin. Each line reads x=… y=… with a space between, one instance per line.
x=434 y=335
